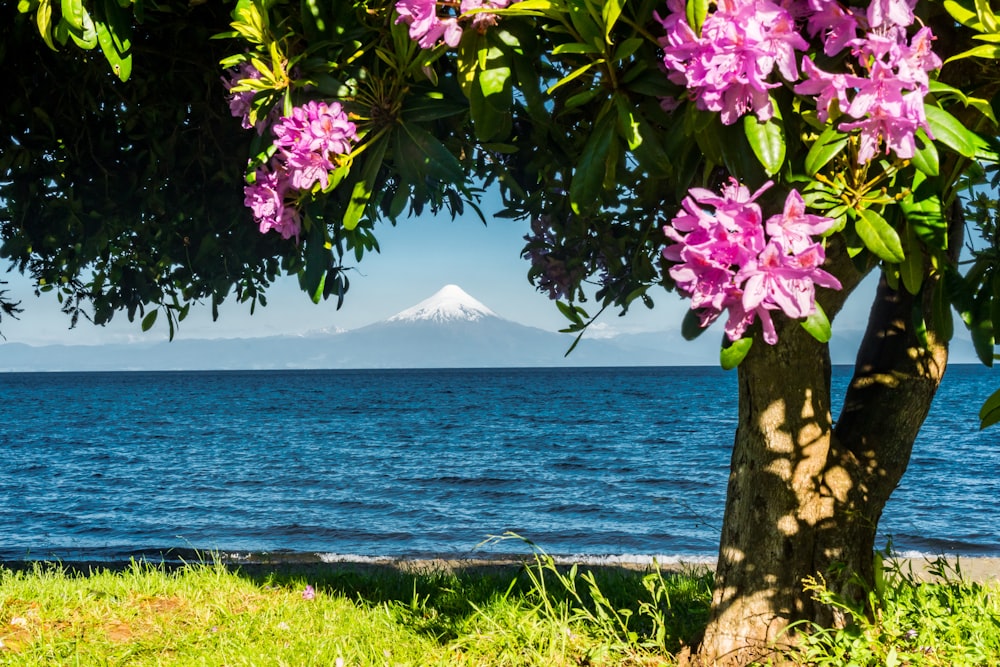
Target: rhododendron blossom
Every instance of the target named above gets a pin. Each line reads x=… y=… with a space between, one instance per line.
x=726 y=68
x=886 y=106
x=269 y=199
x=428 y=28
x=744 y=45
x=310 y=138
x=240 y=102
x=726 y=262
x=308 y=143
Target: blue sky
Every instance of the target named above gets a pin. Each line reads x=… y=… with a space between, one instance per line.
x=419 y=256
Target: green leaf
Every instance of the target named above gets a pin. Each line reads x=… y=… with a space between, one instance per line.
x=731 y=355
x=697 y=10
x=944 y=324
x=627 y=48
x=43 y=17
x=430 y=106
x=989 y=414
x=995 y=301
x=588 y=178
x=627 y=124
x=574 y=47
x=312 y=278
x=495 y=80
x=925 y=158
x=610 y=11
x=691 y=325
x=825 y=148
x=949 y=130
x=923 y=211
x=149 y=320
x=991 y=51
x=582 y=98
x=584 y=23
x=911 y=270
x=879 y=236
x=490 y=121
x=579 y=71
x=919 y=321
x=981 y=328
x=959 y=293
x=425 y=155
x=361 y=194
x=87 y=38
x=767 y=140
x=574 y=314
x=818 y=325
x=963 y=14
x=114 y=34
x=986 y=16
x=72 y=12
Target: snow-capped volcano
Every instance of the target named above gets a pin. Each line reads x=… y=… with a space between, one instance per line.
x=449 y=304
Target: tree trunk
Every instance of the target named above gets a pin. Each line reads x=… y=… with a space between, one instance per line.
x=775 y=503
x=805 y=496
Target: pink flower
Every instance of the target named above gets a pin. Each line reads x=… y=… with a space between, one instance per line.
x=310 y=139
x=240 y=103
x=826 y=87
x=888 y=13
x=267 y=197
x=309 y=593
x=885 y=106
x=838 y=25
x=429 y=28
x=483 y=20
x=726 y=263
x=316 y=127
x=794 y=228
x=425 y=27
x=727 y=68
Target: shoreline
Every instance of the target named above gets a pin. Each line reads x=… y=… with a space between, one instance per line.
x=978 y=569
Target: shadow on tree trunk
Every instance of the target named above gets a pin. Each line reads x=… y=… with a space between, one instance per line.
x=805 y=494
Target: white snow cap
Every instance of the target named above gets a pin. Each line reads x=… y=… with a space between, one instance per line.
x=450 y=303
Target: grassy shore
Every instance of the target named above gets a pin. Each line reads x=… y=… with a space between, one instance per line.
x=489 y=615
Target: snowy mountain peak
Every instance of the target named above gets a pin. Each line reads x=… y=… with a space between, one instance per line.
x=450 y=303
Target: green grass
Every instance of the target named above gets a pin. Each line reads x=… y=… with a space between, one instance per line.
x=207 y=614
x=947 y=622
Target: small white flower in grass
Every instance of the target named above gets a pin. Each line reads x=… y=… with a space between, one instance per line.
x=284 y=626
x=339 y=662
x=19 y=621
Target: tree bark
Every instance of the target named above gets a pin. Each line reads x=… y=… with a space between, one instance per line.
x=776 y=503
x=805 y=495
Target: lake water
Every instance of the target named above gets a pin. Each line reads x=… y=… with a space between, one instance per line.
x=609 y=463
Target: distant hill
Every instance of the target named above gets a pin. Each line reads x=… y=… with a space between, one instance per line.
x=450 y=329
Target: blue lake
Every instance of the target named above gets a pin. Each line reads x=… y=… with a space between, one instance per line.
x=605 y=462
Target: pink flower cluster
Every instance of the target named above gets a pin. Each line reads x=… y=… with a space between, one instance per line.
x=429 y=29
x=239 y=103
x=729 y=67
x=887 y=104
x=729 y=259
x=307 y=144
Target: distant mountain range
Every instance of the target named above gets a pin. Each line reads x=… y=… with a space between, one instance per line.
x=448 y=330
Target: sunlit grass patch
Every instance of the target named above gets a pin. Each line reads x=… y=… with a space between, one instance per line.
x=207 y=614
x=946 y=621
x=542 y=614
